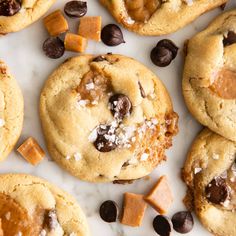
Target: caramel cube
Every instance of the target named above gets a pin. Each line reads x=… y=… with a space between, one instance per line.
x=160 y=197
x=56 y=23
x=90 y=27
x=134 y=209
x=75 y=43
x=31 y=151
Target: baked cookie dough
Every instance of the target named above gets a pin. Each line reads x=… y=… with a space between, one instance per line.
x=11 y=111
x=31 y=206
x=16 y=15
x=209 y=80
x=106 y=118
x=158 y=17
x=210 y=173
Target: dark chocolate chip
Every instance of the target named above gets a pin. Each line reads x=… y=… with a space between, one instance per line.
x=162 y=225
x=109 y=211
x=123 y=182
x=229 y=39
x=106 y=138
x=54 y=47
x=120 y=106
x=143 y=94
x=99 y=58
x=112 y=35
x=183 y=222
x=9 y=7
x=75 y=8
x=50 y=219
x=164 y=52
x=217 y=191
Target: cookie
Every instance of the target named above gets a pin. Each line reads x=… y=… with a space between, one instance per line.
x=16 y=15
x=209 y=79
x=210 y=173
x=31 y=206
x=106 y=118
x=156 y=17
x=11 y=111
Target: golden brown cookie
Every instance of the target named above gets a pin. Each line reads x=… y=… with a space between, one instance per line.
x=209 y=80
x=15 y=15
x=31 y=206
x=158 y=17
x=11 y=111
x=210 y=173
x=106 y=118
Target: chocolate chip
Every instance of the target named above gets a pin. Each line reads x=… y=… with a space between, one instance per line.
x=222 y=7
x=50 y=219
x=164 y=52
x=109 y=211
x=106 y=138
x=162 y=225
x=123 y=182
x=112 y=35
x=75 y=8
x=120 y=106
x=183 y=222
x=143 y=94
x=9 y=7
x=229 y=39
x=99 y=58
x=53 y=47
x=217 y=191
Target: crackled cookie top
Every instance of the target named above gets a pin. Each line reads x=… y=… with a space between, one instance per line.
x=209 y=80
x=158 y=17
x=11 y=111
x=106 y=118
x=18 y=14
x=31 y=206
x=210 y=173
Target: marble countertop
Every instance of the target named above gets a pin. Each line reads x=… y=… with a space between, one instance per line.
x=22 y=52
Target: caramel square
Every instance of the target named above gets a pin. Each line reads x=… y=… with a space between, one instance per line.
x=90 y=27
x=133 y=209
x=160 y=197
x=56 y=23
x=75 y=43
x=31 y=151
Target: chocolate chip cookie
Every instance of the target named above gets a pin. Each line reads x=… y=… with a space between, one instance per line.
x=106 y=118
x=31 y=206
x=210 y=173
x=15 y=15
x=11 y=111
x=158 y=17
x=209 y=79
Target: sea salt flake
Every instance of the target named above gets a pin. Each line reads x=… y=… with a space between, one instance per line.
x=197 y=170
x=82 y=103
x=2 y=122
x=72 y=234
x=93 y=136
x=77 y=156
x=215 y=156
x=90 y=86
x=8 y=215
x=133 y=161
x=189 y=2
x=68 y=157
x=19 y=234
x=43 y=233
x=144 y=156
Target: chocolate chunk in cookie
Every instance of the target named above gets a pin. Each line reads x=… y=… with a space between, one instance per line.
x=230 y=38
x=120 y=106
x=50 y=219
x=106 y=138
x=9 y=7
x=217 y=191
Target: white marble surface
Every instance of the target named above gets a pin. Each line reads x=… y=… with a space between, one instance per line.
x=22 y=52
